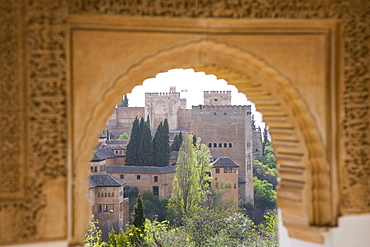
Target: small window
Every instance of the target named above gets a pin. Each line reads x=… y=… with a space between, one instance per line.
x=155 y=190
x=215 y=145
x=111 y=208
x=214 y=113
x=224 y=113
x=220 y=145
x=234 y=186
x=98 y=194
x=121 y=176
x=215 y=99
x=215 y=179
x=92 y=169
x=209 y=145
x=120 y=152
x=121 y=207
x=230 y=145
x=95 y=169
x=225 y=145
x=105 y=194
x=256 y=149
x=112 y=194
x=100 y=209
x=138 y=177
x=155 y=179
x=217 y=170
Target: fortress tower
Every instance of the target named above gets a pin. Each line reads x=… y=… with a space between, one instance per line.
x=227 y=132
x=160 y=106
x=217 y=97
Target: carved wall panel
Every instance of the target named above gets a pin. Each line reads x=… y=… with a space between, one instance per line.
x=33 y=120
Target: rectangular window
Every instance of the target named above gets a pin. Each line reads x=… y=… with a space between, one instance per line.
x=217 y=170
x=234 y=186
x=121 y=176
x=156 y=190
x=138 y=177
x=111 y=208
x=95 y=169
x=121 y=207
x=155 y=179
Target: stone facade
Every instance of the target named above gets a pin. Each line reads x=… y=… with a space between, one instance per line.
x=156 y=179
x=108 y=204
x=227 y=132
x=217 y=98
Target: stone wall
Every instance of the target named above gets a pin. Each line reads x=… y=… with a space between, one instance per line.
x=230 y=125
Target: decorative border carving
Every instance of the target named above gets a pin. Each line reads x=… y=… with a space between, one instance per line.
x=32 y=91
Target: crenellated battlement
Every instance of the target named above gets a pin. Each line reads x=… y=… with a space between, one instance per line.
x=223 y=108
x=217 y=92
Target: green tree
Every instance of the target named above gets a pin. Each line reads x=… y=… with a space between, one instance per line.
x=161 y=144
x=176 y=144
x=124 y=136
x=133 y=145
x=154 y=208
x=145 y=151
x=264 y=194
x=187 y=187
x=138 y=216
x=93 y=237
x=148 y=121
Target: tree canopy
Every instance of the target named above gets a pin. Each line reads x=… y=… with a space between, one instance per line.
x=189 y=189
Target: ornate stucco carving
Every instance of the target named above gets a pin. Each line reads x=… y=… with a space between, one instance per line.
x=33 y=114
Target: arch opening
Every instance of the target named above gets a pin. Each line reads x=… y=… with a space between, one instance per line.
x=303 y=193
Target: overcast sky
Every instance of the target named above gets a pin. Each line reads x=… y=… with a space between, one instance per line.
x=191 y=86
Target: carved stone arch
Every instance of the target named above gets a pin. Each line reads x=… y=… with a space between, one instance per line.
x=304 y=188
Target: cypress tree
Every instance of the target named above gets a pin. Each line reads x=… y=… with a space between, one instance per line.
x=148 y=121
x=166 y=150
x=133 y=145
x=139 y=217
x=176 y=142
x=157 y=145
x=145 y=151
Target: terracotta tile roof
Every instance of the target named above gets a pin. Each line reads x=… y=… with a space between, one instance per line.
x=224 y=162
x=105 y=180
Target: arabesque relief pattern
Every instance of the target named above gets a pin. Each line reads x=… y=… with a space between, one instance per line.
x=33 y=40
x=37 y=28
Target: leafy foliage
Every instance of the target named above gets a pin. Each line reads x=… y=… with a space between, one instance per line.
x=124 y=136
x=145 y=155
x=133 y=145
x=188 y=188
x=93 y=237
x=139 y=218
x=176 y=144
x=154 y=208
x=161 y=144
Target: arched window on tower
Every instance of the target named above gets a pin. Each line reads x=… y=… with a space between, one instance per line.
x=215 y=145
x=220 y=145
